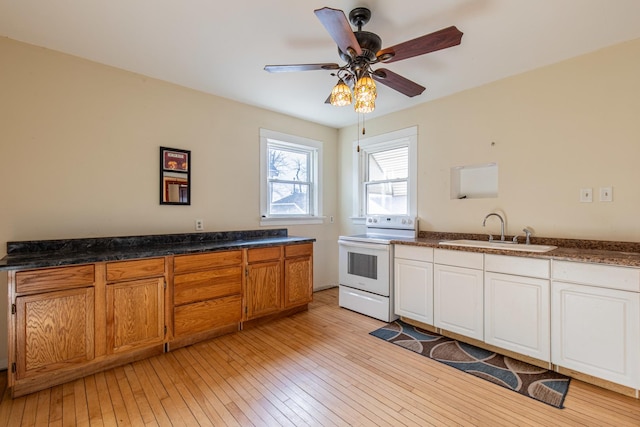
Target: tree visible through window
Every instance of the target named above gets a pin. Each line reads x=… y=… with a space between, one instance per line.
x=290 y=168
x=289 y=184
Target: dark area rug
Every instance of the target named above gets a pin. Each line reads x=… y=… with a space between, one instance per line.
x=538 y=383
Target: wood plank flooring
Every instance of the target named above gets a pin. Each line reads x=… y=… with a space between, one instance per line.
x=316 y=368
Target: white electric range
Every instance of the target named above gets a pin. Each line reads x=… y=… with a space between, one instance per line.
x=366 y=265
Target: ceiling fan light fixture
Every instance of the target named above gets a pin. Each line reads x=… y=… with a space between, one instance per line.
x=365 y=106
x=365 y=89
x=341 y=94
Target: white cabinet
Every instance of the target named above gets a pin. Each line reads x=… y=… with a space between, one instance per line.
x=596 y=320
x=413 y=283
x=459 y=292
x=516 y=305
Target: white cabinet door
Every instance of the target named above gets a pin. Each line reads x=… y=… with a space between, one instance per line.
x=458 y=300
x=414 y=290
x=596 y=331
x=516 y=314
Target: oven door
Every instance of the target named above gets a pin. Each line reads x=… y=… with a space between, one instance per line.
x=365 y=266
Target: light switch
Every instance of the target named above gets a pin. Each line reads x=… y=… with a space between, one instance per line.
x=606 y=194
x=586 y=195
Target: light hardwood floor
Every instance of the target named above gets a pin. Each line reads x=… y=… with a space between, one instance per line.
x=318 y=368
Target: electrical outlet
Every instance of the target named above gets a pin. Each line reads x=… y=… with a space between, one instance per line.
x=586 y=195
x=606 y=194
x=199 y=225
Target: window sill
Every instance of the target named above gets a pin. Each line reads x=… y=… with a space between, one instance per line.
x=300 y=220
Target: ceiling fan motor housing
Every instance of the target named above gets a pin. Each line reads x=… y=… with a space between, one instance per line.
x=370 y=44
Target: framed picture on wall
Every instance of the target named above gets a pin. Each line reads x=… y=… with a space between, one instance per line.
x=175 y=176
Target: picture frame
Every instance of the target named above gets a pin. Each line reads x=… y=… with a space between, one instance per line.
x=175 y=176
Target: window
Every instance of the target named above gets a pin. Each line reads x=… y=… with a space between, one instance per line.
x=387 y=170
x=290 y=178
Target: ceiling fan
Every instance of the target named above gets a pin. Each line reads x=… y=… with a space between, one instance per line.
x=362 y=49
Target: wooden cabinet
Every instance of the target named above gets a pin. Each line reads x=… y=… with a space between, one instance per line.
x=459 y=292
x=207 y=295
x=51 y=326
x=135 y=302
x=298 y=275
x=595 y=327
x=69 y=322
x=135 y=314
x=264 y=282
x=279 y=278
x=53 y=330
x=413 y=283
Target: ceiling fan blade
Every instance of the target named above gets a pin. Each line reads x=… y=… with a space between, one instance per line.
x=397 y=82
x=445 y=38
x=299 y=67
x=336 y=23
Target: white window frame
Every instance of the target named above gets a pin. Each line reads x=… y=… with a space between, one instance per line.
x=405 y=137
x=315 y=177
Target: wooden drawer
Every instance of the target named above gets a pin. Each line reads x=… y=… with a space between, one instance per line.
x=136 y=269
x=531 y=267
x=458 y=258
x=59 y=278
x=415 y=253
x=264 y=254
x=298 y=250
x=204 y=285
x=606 y=276
x=207 y=315
x=206 y=261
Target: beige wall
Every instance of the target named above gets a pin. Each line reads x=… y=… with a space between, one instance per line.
x=80 y=154
x=80 y=151
x=572 y=125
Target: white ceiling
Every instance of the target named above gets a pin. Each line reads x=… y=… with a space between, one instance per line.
x=221 y=47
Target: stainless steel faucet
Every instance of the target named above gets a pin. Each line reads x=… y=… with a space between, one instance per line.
x=501 y=225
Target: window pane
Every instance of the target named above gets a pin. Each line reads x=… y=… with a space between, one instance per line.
x=389 y=164
x=387 y=198
x=288 y=199
x=288 y=165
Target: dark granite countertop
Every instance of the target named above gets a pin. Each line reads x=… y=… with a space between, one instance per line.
x=50 y=253
x=595 y=251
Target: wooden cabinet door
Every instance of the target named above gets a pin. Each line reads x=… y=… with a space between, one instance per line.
x=459 y=300
x=298 y=281
x=264 y=289
x=516 y=314
x=135 y=314
x=54 y=330
x=414 y=290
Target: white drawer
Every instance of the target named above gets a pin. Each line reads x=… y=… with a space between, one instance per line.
x=606 y=276
x=416 y=253
x=458 y=258
x=520 y=266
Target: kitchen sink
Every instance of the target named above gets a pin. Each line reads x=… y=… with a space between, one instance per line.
x=498 y=245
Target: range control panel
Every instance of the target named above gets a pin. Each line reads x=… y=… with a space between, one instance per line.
x=392 y=221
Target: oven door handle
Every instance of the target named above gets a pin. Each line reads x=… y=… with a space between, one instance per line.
x=378 y=247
